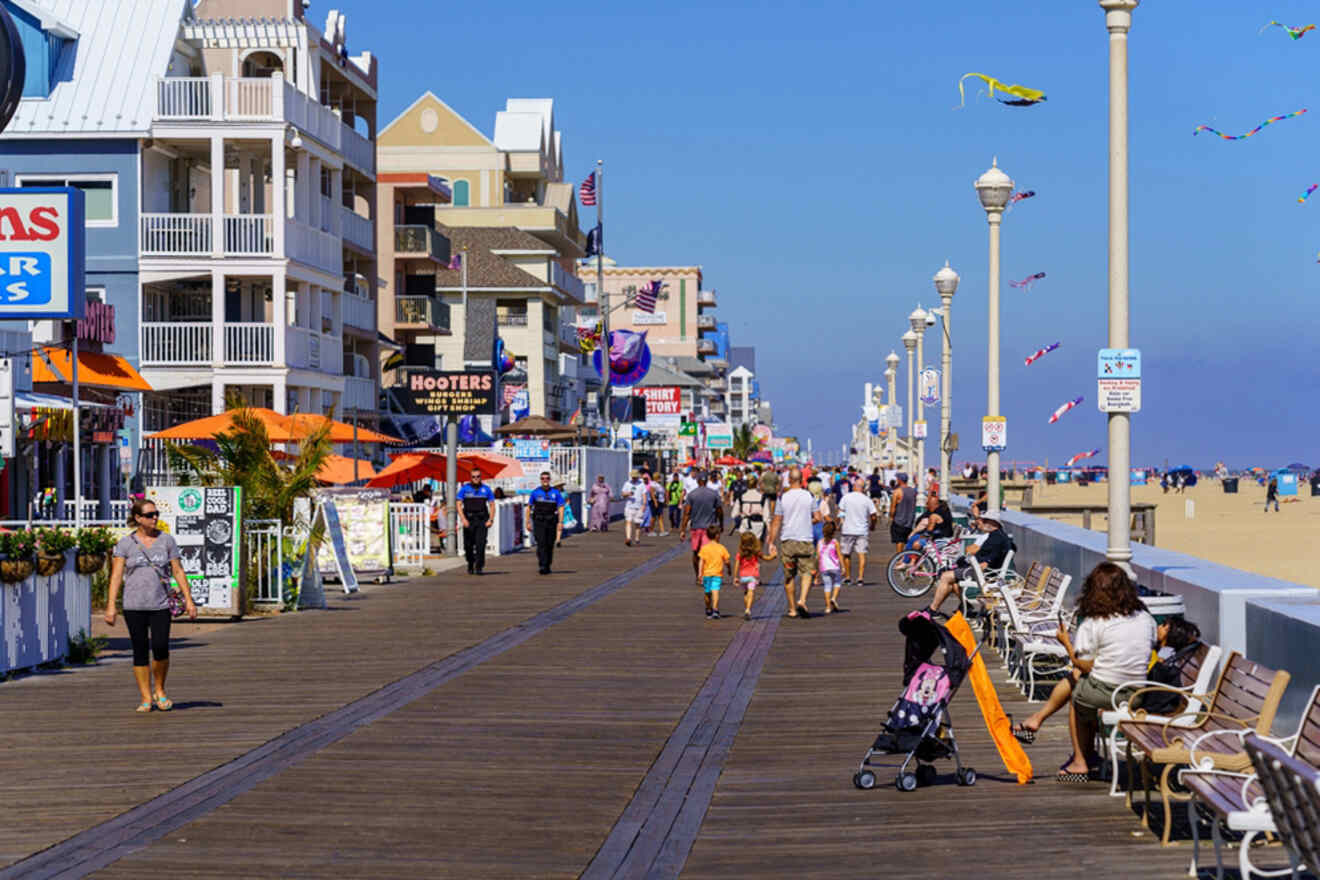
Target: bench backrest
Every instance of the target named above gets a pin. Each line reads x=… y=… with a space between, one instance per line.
x=1292 y=791
x=1248 y=692
x=1306 y=746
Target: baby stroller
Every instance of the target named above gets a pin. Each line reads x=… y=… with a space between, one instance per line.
x=919 y=725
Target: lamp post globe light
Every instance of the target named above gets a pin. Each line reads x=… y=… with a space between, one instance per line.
x=910 y=343
x=918 y=320
x=993 y=189
x=1118 y=21
x=891 y=373
x=946 y=285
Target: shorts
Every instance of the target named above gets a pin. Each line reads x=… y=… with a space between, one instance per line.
x=699 y=539
x=850 y=544
x=1091 y=697
x=635 y=514
x=748 y=583
x=799 y=558
x=711 y=583
x=899 y=534
x=831 y=579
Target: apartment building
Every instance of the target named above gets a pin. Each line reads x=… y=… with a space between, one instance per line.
x=228 y=146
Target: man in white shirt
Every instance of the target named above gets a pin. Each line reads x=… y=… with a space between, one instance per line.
x=634 y=508
x=858 y=513
x=689 y=482
x=792 y=524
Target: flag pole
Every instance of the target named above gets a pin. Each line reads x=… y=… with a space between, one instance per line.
x=602 y=300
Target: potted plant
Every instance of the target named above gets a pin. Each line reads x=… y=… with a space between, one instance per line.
x=52 y=547
x=16 y=551
x=94 y=544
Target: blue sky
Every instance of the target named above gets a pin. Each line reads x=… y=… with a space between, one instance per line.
x=812 y=163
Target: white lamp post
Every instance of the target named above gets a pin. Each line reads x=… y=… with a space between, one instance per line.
x=891 y=372
x=918 y=320
x=1118 y=20
x=946 y=284
x=910 y=343
x=993 y=189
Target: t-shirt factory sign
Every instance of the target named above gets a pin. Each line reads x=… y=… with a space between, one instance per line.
x=445 y=392
x=663 y=404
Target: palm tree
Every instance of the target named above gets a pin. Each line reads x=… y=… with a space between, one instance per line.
x=745 y=443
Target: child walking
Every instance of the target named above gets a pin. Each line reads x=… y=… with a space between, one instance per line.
x=829 y=565
x=749 y=569
x=714 y=563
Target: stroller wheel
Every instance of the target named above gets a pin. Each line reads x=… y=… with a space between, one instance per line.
x=967 y=776
x=926 y=774
x=906 y=782
x=864 y=779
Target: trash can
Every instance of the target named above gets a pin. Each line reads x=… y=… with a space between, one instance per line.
x=1315 y=485
x=1050 y=477
x=1230 y=485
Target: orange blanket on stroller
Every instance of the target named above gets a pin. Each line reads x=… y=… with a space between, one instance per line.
x=1001 y=729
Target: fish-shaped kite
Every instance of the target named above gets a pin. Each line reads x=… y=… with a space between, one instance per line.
x=1239 y=137
x=1310 y=189
x=1058 y=413
x=1023 y=96
x=1081 y=455
x=1028 y=281
x=1020 y=196
x=1040 y=353
x=1295 y=32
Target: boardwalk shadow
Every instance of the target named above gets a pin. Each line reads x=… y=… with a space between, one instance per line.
x=196 y=704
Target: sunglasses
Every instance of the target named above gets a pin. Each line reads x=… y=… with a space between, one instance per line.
x=152 y=515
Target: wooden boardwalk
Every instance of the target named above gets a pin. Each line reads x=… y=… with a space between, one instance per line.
x=586 y=723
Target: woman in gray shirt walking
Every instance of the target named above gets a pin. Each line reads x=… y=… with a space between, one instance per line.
x=144 y=562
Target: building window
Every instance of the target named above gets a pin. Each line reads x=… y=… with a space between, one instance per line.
x=460 y=197
x=100 y=192
x=511 y=313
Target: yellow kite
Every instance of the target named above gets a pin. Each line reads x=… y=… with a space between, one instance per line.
x=1025 y=96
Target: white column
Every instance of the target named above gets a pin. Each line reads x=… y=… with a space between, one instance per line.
x=217 y=196
x=280 y=391
x=1118 y=20
x=218 y=322
x=992 y=362
x=302 y=188
x=277 y=198
x=336 y=201
x=278 y=302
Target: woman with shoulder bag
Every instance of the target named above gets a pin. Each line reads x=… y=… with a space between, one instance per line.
x=144 y=562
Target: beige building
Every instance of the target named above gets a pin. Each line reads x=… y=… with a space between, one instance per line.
x=683 y=314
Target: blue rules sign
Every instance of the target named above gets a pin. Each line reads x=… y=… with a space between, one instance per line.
x=43 y=253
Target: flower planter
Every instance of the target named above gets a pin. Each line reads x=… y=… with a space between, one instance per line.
x=48 y=566
x=13 y=571
x=90 y=563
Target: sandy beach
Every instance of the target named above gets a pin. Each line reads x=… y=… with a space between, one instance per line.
x=1228 y=529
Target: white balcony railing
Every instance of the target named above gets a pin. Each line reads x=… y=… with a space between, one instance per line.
x=298 y=347
x=249 y=343
x=314 y=118
x=359 y=151
x=332 y=354
x=183 y=97
x=359 y=393
x=359 y=311
x=176 y=234
x=568 y=282
x=314 y=247
x=176 y=344
x=357 y=229
x=249 y=234
x=706 y=298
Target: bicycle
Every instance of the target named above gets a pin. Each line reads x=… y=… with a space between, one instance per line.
x=912 y=573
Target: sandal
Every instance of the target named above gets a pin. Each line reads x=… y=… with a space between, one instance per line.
x=1067 y=777
x=1024 y=735
x=143 y=708
x=164 y=704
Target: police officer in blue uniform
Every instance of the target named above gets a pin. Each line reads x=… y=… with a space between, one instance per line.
x=545 y=520
x=476 y=509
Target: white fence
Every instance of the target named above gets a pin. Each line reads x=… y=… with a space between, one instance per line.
x=40 y=614
x=410 y=534
x=264 y=554
x=176 y=234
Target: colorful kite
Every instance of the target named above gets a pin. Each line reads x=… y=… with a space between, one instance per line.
x=588 y=338
x=1295 y=32
x=1081 y=455
x=1058 y=413
x=1025 y=97
x=1040 y=353
x=1239 y=137
x=1020 y=196
x=1311 y=189
x=1028 y=281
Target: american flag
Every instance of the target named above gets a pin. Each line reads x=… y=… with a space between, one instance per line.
x=646 y=297
x=587 y=191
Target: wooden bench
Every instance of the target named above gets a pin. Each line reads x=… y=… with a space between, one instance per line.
x=1292 y=794
x=1236 y=800
x=1246 y=697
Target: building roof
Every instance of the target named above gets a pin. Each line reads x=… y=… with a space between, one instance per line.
x=122 y=45
x=660 y=375
x=693 y=366
x=486 y=269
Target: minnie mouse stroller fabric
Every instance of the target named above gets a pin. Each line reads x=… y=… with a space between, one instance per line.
x=919 y=725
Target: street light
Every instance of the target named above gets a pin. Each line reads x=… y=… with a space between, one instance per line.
x=993 y=189
x=918 y=319
x=910 y=343
x=946 y=285
x=891 y=372
x=1118 y=20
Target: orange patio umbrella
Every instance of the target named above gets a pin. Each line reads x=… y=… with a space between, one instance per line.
x=729 y=461
x=409 y=467
x=337 y=469
x=280 y=428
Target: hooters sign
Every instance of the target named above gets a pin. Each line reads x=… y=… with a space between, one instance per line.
x=43 y=251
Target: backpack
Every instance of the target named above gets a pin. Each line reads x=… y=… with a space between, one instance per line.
x=1167 y=672
x=769 y=482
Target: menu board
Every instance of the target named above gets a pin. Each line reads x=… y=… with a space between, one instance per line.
x=206 y=523
x=364 y=520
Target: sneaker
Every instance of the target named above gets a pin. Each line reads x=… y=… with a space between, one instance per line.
x=714 y=615
x=747 y=615
x=708 y=613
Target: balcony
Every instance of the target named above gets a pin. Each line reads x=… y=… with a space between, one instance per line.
x=420 y=242
x=360 y=394
x=358 y=311
x=191 y=235
x=307 y=349
x=717 y=384
x=359 y=152
x=706 y=346
x=706 y=299
x=705 y=322
x=182 y=344
x=420 y=313
x=571 y=285
x=511 y=319
x=318 y=249
x=358 y=231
